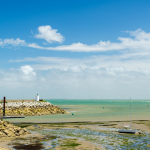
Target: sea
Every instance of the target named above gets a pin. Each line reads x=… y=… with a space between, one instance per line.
x=82 y=110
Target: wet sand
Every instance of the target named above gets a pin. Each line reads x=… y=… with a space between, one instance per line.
x=140 y=125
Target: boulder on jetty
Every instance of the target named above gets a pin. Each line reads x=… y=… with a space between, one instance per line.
x=9 y=130
x=30 y=109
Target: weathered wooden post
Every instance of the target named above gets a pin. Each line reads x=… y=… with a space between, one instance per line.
x=4 y=107
x=7 y=117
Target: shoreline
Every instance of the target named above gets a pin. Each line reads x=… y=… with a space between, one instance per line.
x=77 y=121
x=43 y=120
x=75 y=132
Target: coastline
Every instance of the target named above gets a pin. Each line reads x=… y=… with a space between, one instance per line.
x=93 y=110
x=85 y=124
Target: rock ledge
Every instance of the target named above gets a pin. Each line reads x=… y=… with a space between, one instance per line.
x=9 y=130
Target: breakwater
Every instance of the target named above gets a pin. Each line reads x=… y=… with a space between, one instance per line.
x=30 y=109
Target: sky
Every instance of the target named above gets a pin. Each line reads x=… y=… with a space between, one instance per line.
x=78 y=49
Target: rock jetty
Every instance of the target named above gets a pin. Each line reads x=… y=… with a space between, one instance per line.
x=9 y=130
x=30 y=109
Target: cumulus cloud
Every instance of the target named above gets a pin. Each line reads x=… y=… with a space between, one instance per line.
x=13 y=42
x=116 y=69
x=21 y=75
x=138 y=42
x=27 y=70
x=141 y=41
x=139 y=34
x=34 y=45
x=49 y=34
x=74 y=68
x=131 y=61
x=75 y=82
x=105 y=76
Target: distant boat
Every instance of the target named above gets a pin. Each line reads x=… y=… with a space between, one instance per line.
x=127 y=131
x=132 y=131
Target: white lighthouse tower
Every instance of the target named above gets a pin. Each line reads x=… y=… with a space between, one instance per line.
x=37 y=97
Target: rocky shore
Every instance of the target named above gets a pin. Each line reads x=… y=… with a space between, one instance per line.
x=9 y=130
x=30 y=109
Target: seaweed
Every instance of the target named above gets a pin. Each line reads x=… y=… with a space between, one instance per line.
x=70 y=143
x=37 y=146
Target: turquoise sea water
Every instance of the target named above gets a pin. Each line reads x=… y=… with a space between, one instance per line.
x=94 y=110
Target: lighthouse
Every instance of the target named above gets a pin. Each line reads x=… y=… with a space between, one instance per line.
x=37 y=97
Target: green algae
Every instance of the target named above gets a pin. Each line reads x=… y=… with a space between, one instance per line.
x=55 y=143
x=70 y=143
x=107 y=124
x=111 y=138
x=22 y=125
x=37 y=146
x=19 y=138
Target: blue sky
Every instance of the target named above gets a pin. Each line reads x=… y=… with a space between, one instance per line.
x=75 y=49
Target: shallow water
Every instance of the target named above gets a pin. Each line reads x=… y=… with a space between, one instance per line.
x=107 y=139
x=95 y=110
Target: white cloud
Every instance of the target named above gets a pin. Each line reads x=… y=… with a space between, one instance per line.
x=13 y=42
x=104 y=76
x=34 y=45
x=27 y=70
x=139 y=34
x=1 y=43
x=74 y=68
x=131 y=61
x=49 y=34
x=90 y=82
x=116 y=69
x=21 y=75
x=140 y=42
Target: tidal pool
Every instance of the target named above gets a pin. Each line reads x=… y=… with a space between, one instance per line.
x=108 y=139
x=67 y=137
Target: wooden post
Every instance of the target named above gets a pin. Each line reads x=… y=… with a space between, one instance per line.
x=4 y=107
